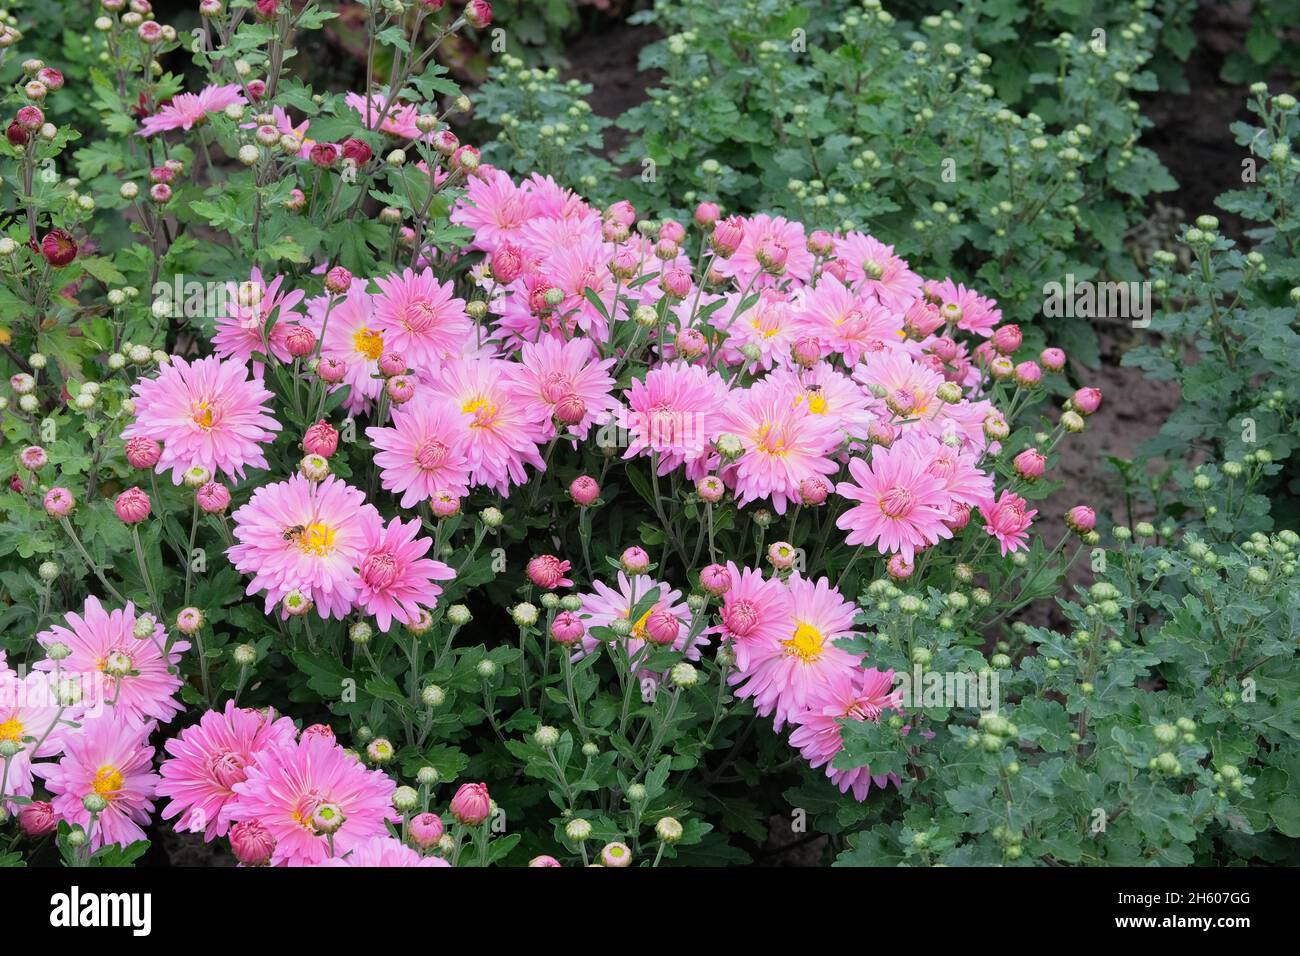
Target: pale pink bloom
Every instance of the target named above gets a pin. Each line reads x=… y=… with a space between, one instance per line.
x=505 y=429
x=604 y=605
x=767 y=325
x=956 y=468
x=782 y=444
x=422 y=454
x=761 y=230
x=783 y=674
x=187 y=110
x=902 y=506
x=399 y=122
x=674 y=413
x=494 y=208
x=553 y=201
x=290 y=783
x=248 y=307
x=207 y=759
x=383 y=851
x=207 y=413
x=818 y=733
x=978 y=314
x=305 y=536
x=849 y=325
x=420 y=317
x=551 y=370
x=116 y=668
x=874 y=268
x=396 y=577
x=824 y=392
x=109 y=756
x=574 y=269
x=904 y=382
x=756 y=611
x=1008 y=521
x=350 y=334
x=29 y=712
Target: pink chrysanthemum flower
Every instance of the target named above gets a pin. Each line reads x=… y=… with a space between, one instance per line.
x=824 y=392
x=208 y=413
x=849 y=325
x=383 y=851
x=396 y=577
x=674 y=413
x=553 y=201
x=399 y=122
x=298 y=535
x=494 y=208
x=764 y=232
x=287 y=787
x=109 y=756
x=206 y=760
x=29 y=714
x=604 y=605
x=962 y=480
x=903 y=506
x=350 y=334
x=782 y=445
x=421 y=318
x=187 y=110
x=553 y=371
x=818 y=735
x=756 y=611
x=1008 y=521
x=285 y=125
x=574 y=269
x=247 y=308
x=873 y=268
x=908 y=389
x=505 y=429
x=422 y=454
x=116 y=668
x=784 y=674
x=767 y=326
x=978 y=314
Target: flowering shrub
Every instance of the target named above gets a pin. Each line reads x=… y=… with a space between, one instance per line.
x=367 y=505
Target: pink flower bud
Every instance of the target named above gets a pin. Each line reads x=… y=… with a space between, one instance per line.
x=319 y=730
x=707 y=214
x=621 y=212
x=132 y=506
x=584 y=491
x=727 y=237
x=1081 y=519
x=142 y=452
x=781 y=554
x=444 y=505
x=338 y=280
x=881 y=433
x=922 y=318
x=1002 y=368
x=945 y=348
x=471 y=804
x=676 y=282
x=252 y=843
x=624 y=263
x=331 y=370
x=506 y=263
x=821 y=243
x=301 y=341
x=958 y=517
x=1087 y=400
x=544 y=861
x=360 y=153
x=570 y=410
x=213 y=498
x=1030 y=465
x=37 y=818
x=1052 y=359
x=33 y=458
x=813 y=491
x=667 y=251
x=662 y=627
x=321 y=439
x=567 y=627
x=899 y=568
x=715 y=579
x=690 y=343
x=634 y=560
x=1007 y=339
x=837 y=268
x=30 y=118
x=1028 y=374
x=392 y=363
x=546 y=571
x=807 y=352
x=59 y=502
x=323 y=155
x=670 y=230
x=425 y=830
x=478 y=14
x=711 y=489
x=772 y=256
x=401 y=389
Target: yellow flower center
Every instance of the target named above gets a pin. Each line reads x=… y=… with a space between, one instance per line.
x=108 y=781
x=482 y=410
x=318 y=539
x=368 y=343
x=769 y=443
x=203 y=415
x=12 y=729
x=806 y=644
x=638 y=629
x=816 y=402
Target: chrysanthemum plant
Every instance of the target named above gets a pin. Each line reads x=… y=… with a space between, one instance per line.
x=351 y=478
